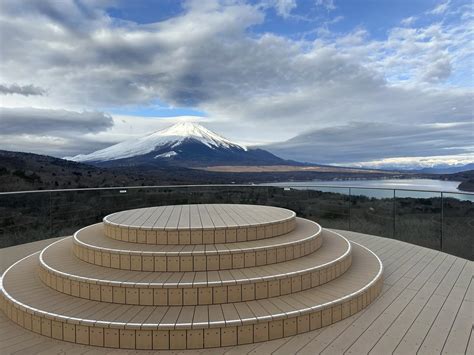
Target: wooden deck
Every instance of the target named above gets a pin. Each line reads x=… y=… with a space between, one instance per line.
x=426 y=307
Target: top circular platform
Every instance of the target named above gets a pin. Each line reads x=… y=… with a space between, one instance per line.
x=199 y=224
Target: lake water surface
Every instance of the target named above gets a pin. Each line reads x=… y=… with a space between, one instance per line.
x=425 y=187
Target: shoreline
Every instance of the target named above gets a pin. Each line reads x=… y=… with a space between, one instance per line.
x=336 y=184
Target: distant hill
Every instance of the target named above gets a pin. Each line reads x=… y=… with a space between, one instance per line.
x=27 y=171
x=446 y=169
x=466 y=178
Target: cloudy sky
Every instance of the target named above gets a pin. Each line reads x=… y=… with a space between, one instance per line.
x=360 y=82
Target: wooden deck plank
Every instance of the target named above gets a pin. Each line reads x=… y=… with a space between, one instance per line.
x=461 y=330
x=438 y=333
x=378 y=328
x=397 y=329
x=328 y=334
x=195 y=218
x=173 y=221
x=470 y=345
x=161 y=222
x=350 y=336
x=185 y=218
x=416 y=334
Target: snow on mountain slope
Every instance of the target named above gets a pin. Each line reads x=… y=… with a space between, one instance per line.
x=172 y=136
x=166 y=155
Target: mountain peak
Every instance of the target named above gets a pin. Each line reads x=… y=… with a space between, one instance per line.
x=170 y=137
x=194 y=130
x=185 y=128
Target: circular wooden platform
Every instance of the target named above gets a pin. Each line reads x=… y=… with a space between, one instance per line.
x=97 y=290
x=32 y=304
x=199 y=224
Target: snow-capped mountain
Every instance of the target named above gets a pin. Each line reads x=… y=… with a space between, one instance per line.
x=186 y=144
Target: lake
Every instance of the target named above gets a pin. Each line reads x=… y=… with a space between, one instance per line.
x=425 y=187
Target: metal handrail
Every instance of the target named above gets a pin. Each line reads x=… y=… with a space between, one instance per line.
x=229 y=185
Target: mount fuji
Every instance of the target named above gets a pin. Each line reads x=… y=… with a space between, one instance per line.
x=183 y=144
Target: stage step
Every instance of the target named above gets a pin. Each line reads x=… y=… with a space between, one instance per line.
x=91 y=245
x=199 y=224
x=65 y=273
x=33 y=305
x=122 y=284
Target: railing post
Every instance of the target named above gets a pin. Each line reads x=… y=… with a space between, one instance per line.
x=442 y=224
x=350 y=207
x=394 y=207
x=50 y=214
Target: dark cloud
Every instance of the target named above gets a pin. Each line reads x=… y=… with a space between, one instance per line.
x=54 y=146
x=25 y=90
x=62 y=123
x=366 y=141
x=71 y=15
x=53 y=132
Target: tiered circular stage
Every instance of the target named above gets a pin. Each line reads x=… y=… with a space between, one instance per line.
x=190 y=277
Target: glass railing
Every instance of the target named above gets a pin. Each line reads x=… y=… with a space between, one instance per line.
x=438 y=220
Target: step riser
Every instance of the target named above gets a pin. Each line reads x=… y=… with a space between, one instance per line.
x=146 y=296
x=195 y=237
x=162 y=339
x=203 y=262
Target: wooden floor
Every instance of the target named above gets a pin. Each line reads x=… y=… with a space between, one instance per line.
x=426 y=307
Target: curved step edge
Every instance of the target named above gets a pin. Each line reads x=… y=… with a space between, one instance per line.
x=196 y=261
x=137 y=293
x=135 y=336
x=148 y=235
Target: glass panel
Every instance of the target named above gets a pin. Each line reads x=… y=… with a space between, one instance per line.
x=372 y=211
x=24 y=218
x=413 y=216
x=230 y=194
x=72 y=210
x=327 y=206
x=418 y=218
x=458 y=224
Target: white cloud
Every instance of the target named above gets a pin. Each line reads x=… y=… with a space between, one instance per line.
x=441 y=8
x=327 y=4
x=415 y=56
x=408 y=21
x=416 y=162
x=254 y=87
x=284 y=7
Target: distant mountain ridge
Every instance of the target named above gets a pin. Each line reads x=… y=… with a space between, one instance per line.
x=446 y=169
x=29 y=171
x=435 y=169
x=183 y=144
